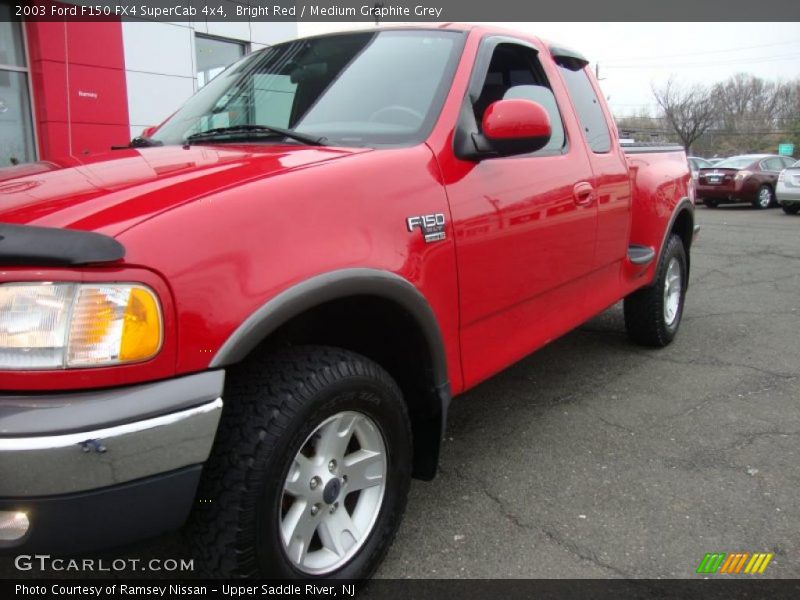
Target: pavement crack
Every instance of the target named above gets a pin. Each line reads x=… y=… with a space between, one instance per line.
x=599 y=417
x=750 y=437
x=741 y=284
x=715 y=362
x=583 y=554
x=763 y=313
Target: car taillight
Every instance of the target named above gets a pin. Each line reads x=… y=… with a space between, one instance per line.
x=744 y=174
x=782 y=175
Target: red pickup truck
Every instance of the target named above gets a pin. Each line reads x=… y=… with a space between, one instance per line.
x=255 y=317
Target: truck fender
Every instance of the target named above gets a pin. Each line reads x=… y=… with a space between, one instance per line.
x=350 y=282
x=685 y=205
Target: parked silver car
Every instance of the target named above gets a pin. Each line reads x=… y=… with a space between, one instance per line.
x=787 y=191
x=696 y=163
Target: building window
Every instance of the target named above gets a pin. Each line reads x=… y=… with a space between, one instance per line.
x=16 y=127
x=213 y=55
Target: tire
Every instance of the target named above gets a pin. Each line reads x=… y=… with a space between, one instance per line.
x=279 y=411
x=647 y=310
x=764 y=198
x=710 y=203
x=791 y=209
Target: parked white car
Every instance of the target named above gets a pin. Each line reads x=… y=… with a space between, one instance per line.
x=787 y=191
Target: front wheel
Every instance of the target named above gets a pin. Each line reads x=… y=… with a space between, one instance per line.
x=764 y=198
x=310 y=470
x=653 y=314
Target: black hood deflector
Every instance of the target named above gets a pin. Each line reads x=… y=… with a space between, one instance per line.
x=26 y=245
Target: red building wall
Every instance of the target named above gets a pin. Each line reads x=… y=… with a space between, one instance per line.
x=80 y=102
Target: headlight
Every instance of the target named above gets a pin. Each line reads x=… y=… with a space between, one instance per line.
x=742 y=175
x=65 y=325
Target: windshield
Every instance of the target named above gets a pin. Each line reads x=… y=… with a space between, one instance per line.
x=355 y=89
x=736 y=162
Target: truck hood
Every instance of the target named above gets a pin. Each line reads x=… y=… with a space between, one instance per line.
x=112 y=192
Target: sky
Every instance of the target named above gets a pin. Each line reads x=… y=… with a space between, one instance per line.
x=633 y=56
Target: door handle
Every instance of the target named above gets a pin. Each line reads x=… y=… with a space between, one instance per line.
x=583 y=193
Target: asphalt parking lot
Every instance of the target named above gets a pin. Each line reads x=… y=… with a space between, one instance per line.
x=596 y=458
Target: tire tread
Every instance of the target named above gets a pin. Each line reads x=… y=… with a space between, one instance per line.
x=267 y=393
x=643 y=309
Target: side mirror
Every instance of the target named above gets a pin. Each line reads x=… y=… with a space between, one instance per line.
x=514 y=126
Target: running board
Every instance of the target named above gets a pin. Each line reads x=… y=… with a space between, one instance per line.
x=641 y=255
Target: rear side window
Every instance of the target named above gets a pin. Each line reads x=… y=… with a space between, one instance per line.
x=772 y=164
x=587 y=106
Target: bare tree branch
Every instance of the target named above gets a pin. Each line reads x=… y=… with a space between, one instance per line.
x=689 y=111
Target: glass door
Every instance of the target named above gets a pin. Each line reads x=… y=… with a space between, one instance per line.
x=16 y=126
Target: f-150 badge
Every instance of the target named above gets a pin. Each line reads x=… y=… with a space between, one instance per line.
x=432 y=226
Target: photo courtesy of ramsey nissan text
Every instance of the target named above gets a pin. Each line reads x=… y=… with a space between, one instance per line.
x=445 y=299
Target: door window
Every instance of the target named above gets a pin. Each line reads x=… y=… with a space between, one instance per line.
x=587 y=106
x=772 y=164
x=515 y=72
x=16 y=126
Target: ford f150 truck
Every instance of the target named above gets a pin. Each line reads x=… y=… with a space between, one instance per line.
x=253 y=319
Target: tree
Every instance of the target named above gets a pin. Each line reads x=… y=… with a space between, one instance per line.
x=751 y=113
x=642 y=127
x=689 y=111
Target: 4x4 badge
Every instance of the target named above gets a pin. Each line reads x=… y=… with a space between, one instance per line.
x=432 y=226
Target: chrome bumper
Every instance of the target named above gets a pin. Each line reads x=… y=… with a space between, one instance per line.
x=72 y=442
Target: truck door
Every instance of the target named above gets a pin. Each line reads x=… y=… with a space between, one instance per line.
x=610 y=172
x=524 y=225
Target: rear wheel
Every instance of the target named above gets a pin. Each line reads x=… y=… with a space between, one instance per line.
x=764 y=197
x=710 y=202
x=791 y=209
x=310 y=470
x=653 y=314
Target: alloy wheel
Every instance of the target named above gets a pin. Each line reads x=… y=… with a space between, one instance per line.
x=672 y=292
x=333 y=493
x=764 y=197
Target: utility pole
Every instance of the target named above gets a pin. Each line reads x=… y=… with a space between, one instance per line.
x=597 y=72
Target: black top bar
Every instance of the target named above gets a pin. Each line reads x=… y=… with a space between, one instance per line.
x=568 y=58
x=26 y=245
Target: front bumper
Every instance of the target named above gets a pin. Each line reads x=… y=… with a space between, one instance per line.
x=99 y=519
x=58 y=448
